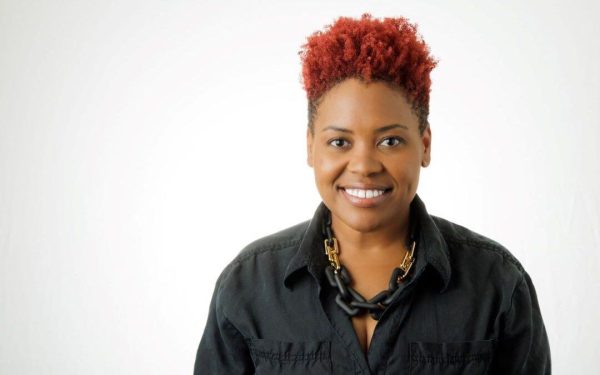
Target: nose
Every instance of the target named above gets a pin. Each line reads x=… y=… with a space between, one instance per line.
x=364 y=161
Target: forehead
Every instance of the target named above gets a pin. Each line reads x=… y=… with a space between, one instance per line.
x=355 y=104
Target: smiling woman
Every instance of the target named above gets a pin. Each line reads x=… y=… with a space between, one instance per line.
x=372 y=284
x=366 y=139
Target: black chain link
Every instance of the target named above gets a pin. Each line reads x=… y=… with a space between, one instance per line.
x=352 y=302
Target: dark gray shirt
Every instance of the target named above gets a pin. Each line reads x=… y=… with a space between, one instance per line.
x=468 y=307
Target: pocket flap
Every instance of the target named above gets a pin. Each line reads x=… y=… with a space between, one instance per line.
x=472 y=357
x=290 y=351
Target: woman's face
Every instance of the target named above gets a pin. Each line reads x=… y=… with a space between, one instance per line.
x=367 y=153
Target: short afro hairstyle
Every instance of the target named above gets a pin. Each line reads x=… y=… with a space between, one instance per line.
x=388 y=50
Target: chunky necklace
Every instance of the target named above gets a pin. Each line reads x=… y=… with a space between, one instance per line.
x=338 y=277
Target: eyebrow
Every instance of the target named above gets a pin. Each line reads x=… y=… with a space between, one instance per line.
x=383 y=129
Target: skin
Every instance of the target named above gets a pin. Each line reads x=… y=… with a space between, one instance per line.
x=367 y=135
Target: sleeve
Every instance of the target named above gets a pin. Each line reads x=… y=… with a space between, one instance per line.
x=222 y=349
x=523 y=345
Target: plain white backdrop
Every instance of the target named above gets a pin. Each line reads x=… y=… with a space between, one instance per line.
x=144 y=143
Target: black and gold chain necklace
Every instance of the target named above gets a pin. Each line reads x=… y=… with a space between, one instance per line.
x=338 y=277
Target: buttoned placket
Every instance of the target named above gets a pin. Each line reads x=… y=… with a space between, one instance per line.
x=387 y=328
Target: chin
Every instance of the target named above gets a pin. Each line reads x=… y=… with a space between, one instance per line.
x=360 y=222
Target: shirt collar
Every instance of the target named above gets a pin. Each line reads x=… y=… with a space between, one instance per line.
x=311 y=251
x=432 y=249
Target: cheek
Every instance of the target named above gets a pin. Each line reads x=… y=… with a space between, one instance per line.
x=327 y=169
x=406 y=172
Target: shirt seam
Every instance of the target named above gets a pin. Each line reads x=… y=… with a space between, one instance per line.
x=451 y=358
x=498 y=249
x=288 y=357
x=230 y=325
x=512 y=297
x=263 y=249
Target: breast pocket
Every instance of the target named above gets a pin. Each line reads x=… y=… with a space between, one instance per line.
x=290 y=358
x=451 y=358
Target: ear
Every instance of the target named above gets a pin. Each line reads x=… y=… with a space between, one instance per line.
x=426 y=140
x=309 y=147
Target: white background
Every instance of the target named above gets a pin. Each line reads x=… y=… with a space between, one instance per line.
x=144 y=143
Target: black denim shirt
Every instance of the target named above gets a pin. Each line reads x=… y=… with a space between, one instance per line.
x=468 y=308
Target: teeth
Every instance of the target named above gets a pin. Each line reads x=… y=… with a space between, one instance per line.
x=361 y=193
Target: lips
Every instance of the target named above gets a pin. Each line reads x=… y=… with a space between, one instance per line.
x=365 y=196
x=365 y=193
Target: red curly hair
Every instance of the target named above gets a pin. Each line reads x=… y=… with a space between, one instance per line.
x=388 y=50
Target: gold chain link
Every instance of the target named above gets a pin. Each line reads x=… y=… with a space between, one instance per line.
x=332 y=253
x=407 y=263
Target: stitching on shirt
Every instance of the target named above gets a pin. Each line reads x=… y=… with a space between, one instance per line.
x=450 y=359
x=498 y=249
x=512 y=297
x=274 y=247
x=287 y=356
x=453 y=233
x=227 y=323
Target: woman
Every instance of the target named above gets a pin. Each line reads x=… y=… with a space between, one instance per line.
x=372 y=284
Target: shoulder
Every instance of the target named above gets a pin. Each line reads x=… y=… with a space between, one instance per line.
x=474 y=253
x=273 y=243
x=264 y=257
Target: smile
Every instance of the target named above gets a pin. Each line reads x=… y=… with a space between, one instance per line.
x=360 y=193
x=365 y=198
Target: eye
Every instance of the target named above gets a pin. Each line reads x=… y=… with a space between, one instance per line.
x=391 y=142
x=339 y=143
